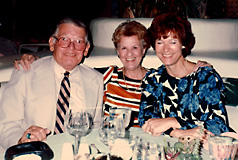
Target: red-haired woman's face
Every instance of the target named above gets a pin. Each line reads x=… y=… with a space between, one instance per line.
x=169 y=50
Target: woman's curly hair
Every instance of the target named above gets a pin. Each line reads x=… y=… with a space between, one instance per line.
x=131 y=28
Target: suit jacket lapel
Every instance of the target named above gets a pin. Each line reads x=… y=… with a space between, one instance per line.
x=44 y=76
x=89 y=86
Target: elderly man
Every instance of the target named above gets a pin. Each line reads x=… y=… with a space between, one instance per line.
x=30 y=104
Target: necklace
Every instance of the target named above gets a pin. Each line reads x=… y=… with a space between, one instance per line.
x=184 y=74
x=126 y=83
x=185 y=66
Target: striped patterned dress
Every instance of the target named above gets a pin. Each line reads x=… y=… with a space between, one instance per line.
x=121 y=92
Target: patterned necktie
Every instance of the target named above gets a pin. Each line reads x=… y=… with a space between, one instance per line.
x=62 y=104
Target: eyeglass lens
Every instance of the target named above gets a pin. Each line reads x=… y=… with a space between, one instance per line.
x=65 y=42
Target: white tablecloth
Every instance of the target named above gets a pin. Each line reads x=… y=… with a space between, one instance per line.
x=56 y=141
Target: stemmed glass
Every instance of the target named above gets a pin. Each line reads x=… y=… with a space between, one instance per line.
x=77 y=124
x=112 y=130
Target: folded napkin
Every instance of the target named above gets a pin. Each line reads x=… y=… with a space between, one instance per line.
x=83 y=149
x=67 y=151
x=121 y=148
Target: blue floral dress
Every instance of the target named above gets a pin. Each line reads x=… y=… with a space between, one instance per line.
x=193 y=100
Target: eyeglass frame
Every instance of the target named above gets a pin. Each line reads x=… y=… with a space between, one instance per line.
x=85 y=43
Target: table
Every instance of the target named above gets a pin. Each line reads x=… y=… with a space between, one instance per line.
x=56 y=141
x=93 y=137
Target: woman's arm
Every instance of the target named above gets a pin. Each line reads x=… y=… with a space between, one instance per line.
x=150 y=115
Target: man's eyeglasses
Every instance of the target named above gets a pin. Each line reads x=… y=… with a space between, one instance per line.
x=64 y=42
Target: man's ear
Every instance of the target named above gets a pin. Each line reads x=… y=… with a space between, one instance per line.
x=85 y=52
x=52 y=43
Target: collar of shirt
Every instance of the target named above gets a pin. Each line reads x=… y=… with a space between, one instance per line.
x=59 y=73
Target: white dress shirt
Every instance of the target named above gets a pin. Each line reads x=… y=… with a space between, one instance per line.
x=76 y=99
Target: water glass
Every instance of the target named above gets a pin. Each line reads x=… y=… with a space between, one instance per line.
x=107 y=130
x=147 y=150
x=120 y=119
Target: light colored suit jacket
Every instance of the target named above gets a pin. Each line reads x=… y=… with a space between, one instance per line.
x=30 y=99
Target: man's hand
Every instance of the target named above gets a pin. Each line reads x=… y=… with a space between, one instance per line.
x=25 y=61
x=202 y=64
x=34 y=133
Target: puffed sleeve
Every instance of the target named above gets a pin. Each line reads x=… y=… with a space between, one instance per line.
x=207 y=104
x=212 y=94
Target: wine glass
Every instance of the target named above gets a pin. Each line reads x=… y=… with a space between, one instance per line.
x=106 y=135
x=77 y=124
x=105 y=129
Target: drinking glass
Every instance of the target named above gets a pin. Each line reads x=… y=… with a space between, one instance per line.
x=107 y=134
x=120 y=119
x=147 y=150
x=222 y=148
x=107 y=131
x=113 y=127
x=119 y=147
x=77 y=124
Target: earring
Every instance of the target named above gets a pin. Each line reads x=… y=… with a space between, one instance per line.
x=183 y=47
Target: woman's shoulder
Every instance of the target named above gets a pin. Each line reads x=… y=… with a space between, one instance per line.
x=153 y=75
x=152 y=71
x=111 y=68
x=206 y=72
x=209 y=75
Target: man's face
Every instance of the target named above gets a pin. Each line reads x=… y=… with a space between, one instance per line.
x=67 y=56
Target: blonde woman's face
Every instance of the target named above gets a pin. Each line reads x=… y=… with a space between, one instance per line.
x=130 y=52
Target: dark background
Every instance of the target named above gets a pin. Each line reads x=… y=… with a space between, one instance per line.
x=24 y=21
x=33 y=21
